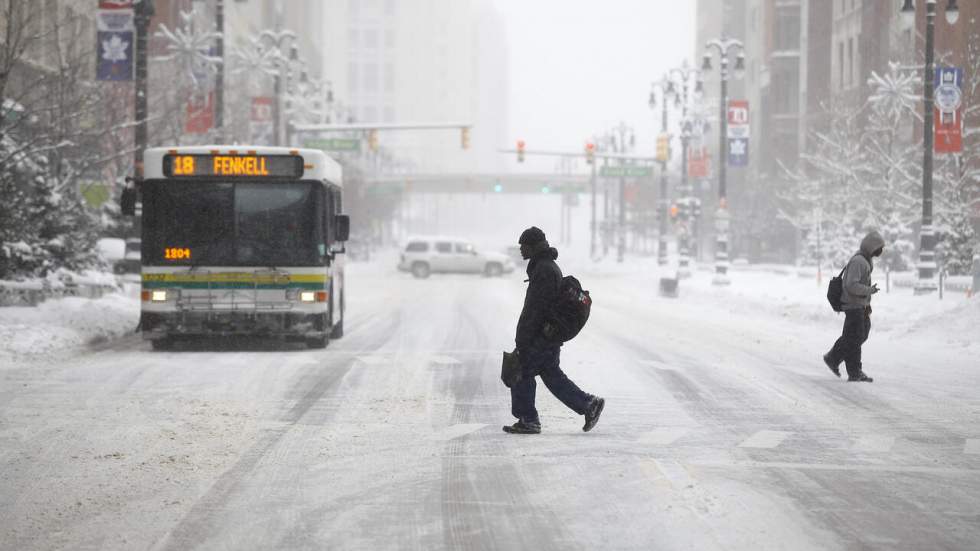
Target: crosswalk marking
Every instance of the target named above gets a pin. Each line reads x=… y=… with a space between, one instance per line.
x=456 y=431
x=765 y=439
x=444 y=360
x=664 y=436
x=972 y=446
x=374 y=359
x=874 y=444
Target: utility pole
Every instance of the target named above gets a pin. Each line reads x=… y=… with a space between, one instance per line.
x=144 y=11
x=219 y=79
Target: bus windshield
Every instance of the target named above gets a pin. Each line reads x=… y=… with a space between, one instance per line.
x=231 y=224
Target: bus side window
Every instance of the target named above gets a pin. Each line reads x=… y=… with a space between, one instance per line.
x=328 y=218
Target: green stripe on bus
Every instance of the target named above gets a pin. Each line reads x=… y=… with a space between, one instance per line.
x=231 y=285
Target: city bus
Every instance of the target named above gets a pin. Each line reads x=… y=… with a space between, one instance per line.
x=240 y=240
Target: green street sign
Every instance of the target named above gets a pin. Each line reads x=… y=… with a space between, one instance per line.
x=333 y=144
x=625 y=171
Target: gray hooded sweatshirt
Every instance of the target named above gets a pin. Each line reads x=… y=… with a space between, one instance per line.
x=857 y=275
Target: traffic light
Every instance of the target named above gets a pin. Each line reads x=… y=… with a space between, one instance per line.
x=373 y=140
x=464 y=137
x=520 y=151
x=663 y=148
x=673 y=212
x=589 y=152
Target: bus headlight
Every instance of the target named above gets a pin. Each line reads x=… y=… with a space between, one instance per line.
x=158 y=296
x=307 y=296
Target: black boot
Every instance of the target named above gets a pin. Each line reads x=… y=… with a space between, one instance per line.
x=592 y=412
x=834 y=368
x=523 y=427
x=861 y=377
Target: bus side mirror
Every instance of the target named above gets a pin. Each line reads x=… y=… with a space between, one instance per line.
x=342 y=222
x=127 y=203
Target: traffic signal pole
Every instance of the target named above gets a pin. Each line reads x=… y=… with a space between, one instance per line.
x=593 y=222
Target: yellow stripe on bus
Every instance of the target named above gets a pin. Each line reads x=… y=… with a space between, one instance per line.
x=235 y=277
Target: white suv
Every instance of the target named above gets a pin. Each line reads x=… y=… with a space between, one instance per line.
x=425 y=255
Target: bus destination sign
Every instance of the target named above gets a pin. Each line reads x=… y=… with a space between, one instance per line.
x=220 y=166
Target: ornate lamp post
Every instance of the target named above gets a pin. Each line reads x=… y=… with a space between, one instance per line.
x=689 y=127
x=276 y=41
x=724 y=47
x=667 y=91
x=926 y=282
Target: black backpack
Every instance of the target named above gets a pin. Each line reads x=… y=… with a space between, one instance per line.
x=569 y=313
x=835 y=290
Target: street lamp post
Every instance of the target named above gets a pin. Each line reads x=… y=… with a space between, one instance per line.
x=276 y=41
x=684 y=74
x=667 y=91
x=144 y=11
x=620 y=146
x=724 y=47
x=927 y=237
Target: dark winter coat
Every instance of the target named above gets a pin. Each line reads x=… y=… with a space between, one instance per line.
x=857 y=276
x=544 y=280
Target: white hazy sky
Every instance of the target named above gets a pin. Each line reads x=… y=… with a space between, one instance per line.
x=579 y=67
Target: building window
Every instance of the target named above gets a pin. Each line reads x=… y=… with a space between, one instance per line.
x=785 y=88
x=850 y=62
x=840 y=66
x=371 y=77
x=788 y=28
x=370 y=39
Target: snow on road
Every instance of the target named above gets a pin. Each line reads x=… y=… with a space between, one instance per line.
x=723 y=430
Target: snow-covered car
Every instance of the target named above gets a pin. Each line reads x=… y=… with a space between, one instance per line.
x=130 y=263
x=425 y=255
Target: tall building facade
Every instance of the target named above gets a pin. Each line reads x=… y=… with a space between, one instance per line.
x=428 y=61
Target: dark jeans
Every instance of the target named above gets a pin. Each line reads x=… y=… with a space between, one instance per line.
x=847 y=349
x=543 y=362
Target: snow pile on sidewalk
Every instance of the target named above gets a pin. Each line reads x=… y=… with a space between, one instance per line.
x=784 y=294
x=65 y=323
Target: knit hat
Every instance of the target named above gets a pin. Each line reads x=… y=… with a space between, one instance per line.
x=531 y=236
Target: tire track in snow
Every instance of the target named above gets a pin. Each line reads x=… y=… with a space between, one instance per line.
x=204 y=517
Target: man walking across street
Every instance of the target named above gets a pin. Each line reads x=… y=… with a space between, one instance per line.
x=856 y=300
x=538 y=355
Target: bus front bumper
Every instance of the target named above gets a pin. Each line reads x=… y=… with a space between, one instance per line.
x=156 y=325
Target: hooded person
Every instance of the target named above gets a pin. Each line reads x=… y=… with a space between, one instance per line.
x=856 y=303
x=539 y=356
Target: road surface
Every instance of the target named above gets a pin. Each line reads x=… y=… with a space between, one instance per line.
x=722 y=430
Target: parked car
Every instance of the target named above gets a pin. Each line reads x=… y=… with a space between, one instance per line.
x=514 y=252
x=131 y=263
x=425 y=255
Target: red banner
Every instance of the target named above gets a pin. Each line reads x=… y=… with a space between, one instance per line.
x=948 y=113
x=200 y=114
x=261 y=109
x=115 y=4
x=698 y=163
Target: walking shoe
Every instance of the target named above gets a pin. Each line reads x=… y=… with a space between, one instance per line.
x=860 y=378
x=522 y=427
x=835 y=369
x=592 y=412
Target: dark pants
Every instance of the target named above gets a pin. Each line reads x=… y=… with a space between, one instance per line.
x=543 y=362
x=847 y=349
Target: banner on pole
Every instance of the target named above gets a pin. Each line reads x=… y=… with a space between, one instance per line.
x=698 y=163
x=738 y=133
x=948 y=111
x=114 y=39
x=200 y=113
x=260 y=121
